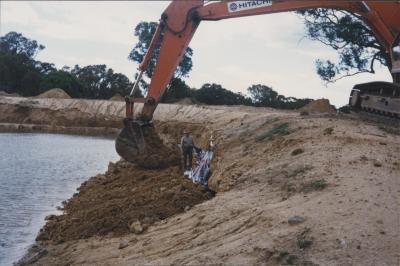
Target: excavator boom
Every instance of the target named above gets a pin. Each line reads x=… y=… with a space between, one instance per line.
x=180 y=20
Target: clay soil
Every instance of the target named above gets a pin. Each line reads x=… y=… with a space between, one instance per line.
x=109 y=203
x=340 y=173
x=319 y=106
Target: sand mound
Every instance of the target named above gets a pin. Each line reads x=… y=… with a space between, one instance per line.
x=319 y=106
x=54 y=93
x=108 y=204
x=118 y=98
x=185 y=101
x=3 y=93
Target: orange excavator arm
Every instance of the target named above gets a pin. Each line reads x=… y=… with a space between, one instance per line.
x=181 y=18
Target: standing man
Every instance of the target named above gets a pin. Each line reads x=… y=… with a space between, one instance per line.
x=187 y=146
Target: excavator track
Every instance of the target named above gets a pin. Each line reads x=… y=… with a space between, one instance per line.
x=378 y=98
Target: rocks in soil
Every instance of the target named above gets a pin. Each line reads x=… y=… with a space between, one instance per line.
x=328 y=131
x=50 y=217
x=296 y=219
x=377 y=163
x=136 y=227
x=123 y=244
x=297 y=151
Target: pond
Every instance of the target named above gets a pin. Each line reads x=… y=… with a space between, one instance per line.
x=37 y=173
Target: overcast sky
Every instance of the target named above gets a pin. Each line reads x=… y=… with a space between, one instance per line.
x=236 y=53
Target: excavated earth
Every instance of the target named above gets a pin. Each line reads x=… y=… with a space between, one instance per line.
x=291 y=189
x=109 y=203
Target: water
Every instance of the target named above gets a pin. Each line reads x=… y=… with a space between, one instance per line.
x=38 y=172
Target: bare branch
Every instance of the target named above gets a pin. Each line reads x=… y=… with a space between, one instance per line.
x=349 y=75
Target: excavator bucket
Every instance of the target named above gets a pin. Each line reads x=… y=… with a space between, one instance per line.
x=130 y=141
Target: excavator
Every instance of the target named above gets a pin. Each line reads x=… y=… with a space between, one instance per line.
x=181 y=18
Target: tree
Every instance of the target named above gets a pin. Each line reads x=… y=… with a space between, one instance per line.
x=144 y=31
x=100 y=82
x=18 y=69
x=262 y=95
x=177 y=90
x=15 y=43
x=265 y=96
x=21 y=73
x=354 y=41
x=64 y=80
x=215 y=94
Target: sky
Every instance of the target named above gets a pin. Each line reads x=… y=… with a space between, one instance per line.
x=236 y=53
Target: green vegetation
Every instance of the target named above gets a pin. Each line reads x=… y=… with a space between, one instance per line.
x=304 y=243
x=291 y=259
x=283 y=254
x=346 y=33
x=300 y=170
x=287 y=257
x=215 y=94
x=265 y=96
x=281 y=129
x=315 y=185
x=303 y=239
x=21 y=73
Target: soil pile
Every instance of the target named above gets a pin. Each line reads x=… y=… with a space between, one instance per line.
x=319 y=106
x=109 y=204
x=185 y=101
x=118 y=98
x=54 y=93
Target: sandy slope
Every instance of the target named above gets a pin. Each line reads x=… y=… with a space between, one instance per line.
x=343 y=178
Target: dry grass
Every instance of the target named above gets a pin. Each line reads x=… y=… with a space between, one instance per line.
x=281 y=129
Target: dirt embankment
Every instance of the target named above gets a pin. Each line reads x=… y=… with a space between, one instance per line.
x=112 y=203
x=291 y=189
x=58 y=116
x=131 y=196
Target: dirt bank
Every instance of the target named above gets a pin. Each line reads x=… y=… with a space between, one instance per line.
x=25 y=112
x=291 y=189
x=108 y=204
